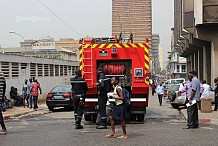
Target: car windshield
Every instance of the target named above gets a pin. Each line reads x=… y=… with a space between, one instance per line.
x=174 y=87
x=61 y=89
x=177 y=81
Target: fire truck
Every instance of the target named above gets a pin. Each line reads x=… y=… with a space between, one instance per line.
x=128 y=60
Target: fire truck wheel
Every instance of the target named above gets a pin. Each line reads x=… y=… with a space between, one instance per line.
x=132 y=117
x=140 y=117
x=93 y=118
x=87 y=117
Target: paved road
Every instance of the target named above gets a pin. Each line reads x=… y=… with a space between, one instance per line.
x=163 y=126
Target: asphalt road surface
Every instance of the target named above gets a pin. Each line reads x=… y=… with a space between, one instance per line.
x=162 y=127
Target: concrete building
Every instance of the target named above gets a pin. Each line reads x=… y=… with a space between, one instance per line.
x=44 y=48
x=161 y=57
x=196 y=35
x=68 y=43
x=49 y=72
x=132 y=16
x=155 y=52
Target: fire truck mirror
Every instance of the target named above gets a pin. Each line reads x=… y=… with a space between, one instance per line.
x=138 y=72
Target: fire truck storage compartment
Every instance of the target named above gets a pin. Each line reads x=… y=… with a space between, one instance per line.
x=121 y=68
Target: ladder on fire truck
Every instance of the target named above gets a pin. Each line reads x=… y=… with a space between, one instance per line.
x=87 y=69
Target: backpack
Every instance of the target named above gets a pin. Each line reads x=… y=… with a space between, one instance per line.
x=126 y=95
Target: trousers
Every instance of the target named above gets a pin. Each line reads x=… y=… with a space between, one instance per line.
x=192 y=112
x=78 y=101
x=160 y=98
x=102 y=101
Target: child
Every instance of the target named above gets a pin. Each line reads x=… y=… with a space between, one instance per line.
x=119 y=111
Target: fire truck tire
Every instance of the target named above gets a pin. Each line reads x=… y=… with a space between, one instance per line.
x=93 y=118
x=87 y=117
x=140 y=117
x=132 y=117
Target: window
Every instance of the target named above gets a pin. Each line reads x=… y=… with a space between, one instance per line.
x=46 y=70
x=56 y=70
x=32 y=69
x=183 y=68
x=69 y=70
x=74 y=68
x=51 y=70
x=177 y=68
x=15 y=70
x=23 y=65
x=39 y=68
x=61 y=70
x=5 y=69
x=65 y=70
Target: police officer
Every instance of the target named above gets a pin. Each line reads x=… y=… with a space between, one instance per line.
x=79 y=89
x=104 y=86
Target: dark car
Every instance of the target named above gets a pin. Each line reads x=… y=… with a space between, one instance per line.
x=60 y=96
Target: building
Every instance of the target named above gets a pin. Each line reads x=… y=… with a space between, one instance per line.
x=49 y=72
x=161 y=57
x=132 y=16
x=155 y=52
x=43 y=48
x=196 y=35
x=68 y=43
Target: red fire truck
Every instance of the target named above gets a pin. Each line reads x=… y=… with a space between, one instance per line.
x=129 y=61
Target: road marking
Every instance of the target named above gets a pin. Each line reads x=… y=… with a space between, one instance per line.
x=207 y=128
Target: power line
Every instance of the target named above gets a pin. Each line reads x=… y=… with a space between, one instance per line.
x=60 y=18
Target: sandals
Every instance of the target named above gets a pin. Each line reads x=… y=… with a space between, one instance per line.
x=122 y=137
x=111 y=136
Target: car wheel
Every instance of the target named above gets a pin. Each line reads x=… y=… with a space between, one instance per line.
x=172 y=95
x=132 y=117
x=176 y=106
x=51 y=108
x=93 y=118
x=140 y=117
x=87 y=117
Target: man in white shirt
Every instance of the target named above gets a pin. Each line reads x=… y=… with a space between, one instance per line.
x=206 y=89
x=160 y=92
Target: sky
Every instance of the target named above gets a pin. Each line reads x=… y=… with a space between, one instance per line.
x=32 y=20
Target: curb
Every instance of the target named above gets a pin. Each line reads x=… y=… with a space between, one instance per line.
x=10 y=117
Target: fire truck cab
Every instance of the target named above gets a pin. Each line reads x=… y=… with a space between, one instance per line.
x=129 y=61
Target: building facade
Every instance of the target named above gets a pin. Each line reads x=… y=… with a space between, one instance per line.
x=155 y=53
x=132 y=16
x=196 y=35
x=49 y=72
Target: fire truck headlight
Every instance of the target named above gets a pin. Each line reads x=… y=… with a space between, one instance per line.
x=147 y=78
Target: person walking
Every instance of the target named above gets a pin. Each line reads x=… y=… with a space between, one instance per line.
x=216 y=94
x=29 y=93
x=35 y=88
x=25 y=94
x=153 y=87
x=119 y=110
x=79 y=89
x=193 y=98
x=104 y=86
x=160 y=92
x=2 y=108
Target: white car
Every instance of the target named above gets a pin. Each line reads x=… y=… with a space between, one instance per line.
x=177 y=100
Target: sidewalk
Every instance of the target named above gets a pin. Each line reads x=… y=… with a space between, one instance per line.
x=18 y=112
x=206 y=118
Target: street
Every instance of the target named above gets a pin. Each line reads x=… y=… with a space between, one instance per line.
x=163 y=126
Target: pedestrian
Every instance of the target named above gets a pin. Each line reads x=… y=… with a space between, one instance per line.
x=216 y=94
x=119 y=110
x=153 y=87
x=14 y=95
x=2 y=108
x=79 y=89
x=104 y=86
x=160 y=92
x=193 y=98
x=29 y=93
x=35 y=88
x=25 y=94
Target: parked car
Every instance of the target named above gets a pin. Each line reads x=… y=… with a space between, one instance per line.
x=60 y=96
x=178 y=100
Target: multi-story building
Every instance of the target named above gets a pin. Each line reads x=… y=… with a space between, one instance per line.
x=155 y=52
x=161 y=57
x=132 y=16
x=68 y=43
x=196 y=35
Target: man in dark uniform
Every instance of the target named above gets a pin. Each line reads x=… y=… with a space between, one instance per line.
x=104 y=86
x=79 y=89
